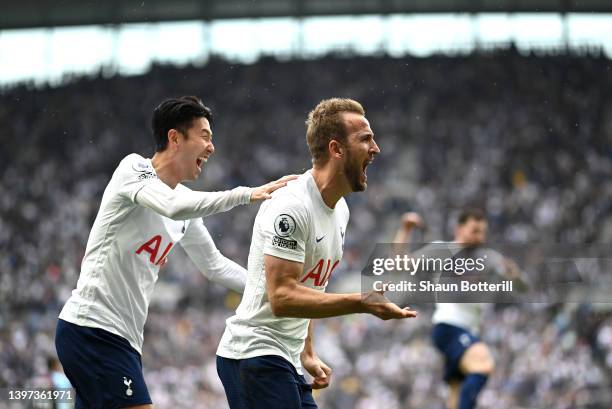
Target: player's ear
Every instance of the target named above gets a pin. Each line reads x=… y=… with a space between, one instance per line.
x=173 y=137
x=336 y=149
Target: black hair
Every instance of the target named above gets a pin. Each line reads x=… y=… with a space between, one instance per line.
x=470 y=213
x=176 y=113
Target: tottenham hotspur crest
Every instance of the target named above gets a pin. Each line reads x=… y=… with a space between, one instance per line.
x=284 y=225
x=128 y=383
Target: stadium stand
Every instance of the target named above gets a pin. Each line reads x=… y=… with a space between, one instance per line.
x=526 y=137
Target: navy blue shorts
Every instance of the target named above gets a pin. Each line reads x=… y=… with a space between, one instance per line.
x=264 y=382
x=452 y=341
x=103 y=368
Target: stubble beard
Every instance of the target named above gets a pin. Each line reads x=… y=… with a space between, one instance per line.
x=352 y=171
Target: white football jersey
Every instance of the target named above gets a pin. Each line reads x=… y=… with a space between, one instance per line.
x=463 y=315
x=295 y=225
x=130 y=240
x=467 y=315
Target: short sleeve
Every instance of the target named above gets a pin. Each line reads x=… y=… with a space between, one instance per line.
x=133 y=173
x=285 y=229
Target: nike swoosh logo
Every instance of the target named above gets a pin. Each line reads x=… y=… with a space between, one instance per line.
x=318 y=240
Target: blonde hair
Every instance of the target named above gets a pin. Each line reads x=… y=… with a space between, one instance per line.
x=325 y=123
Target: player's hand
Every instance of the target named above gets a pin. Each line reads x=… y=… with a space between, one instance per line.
x=377 y=304
x=512 y=269
x=318 y=369
x=265 y=191
x=411 y=220
x=513 y=272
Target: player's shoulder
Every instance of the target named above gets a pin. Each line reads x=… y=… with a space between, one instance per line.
x=134 y=167
x=136 y=162
x=294 y=194
x=287 y=201
x=182 y=188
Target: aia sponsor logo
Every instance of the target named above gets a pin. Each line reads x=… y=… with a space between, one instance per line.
x=321 y=272
x=152 y=247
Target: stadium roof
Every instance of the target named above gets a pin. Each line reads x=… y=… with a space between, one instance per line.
x=50 y=13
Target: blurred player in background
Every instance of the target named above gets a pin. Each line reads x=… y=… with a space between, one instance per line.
x=468 y=360
x=298 y=240
x=59 y=382
x=144 y=212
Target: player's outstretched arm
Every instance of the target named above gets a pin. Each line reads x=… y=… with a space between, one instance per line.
x=408 y=223
x=288 y=298
x=183 y=203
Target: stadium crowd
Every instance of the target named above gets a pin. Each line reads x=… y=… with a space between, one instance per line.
x=527 y=138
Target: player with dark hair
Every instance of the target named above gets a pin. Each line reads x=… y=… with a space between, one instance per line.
x=145 y=211
x=468 y=360
x=298 y=240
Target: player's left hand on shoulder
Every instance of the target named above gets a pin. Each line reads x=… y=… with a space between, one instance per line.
x=264 y=192
x=319 y=370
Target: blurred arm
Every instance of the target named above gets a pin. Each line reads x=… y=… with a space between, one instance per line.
x=409 y=221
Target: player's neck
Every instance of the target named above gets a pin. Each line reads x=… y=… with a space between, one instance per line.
x=330 y=183
x=165 y=168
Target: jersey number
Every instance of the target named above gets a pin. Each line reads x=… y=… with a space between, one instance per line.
x=152 y=247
